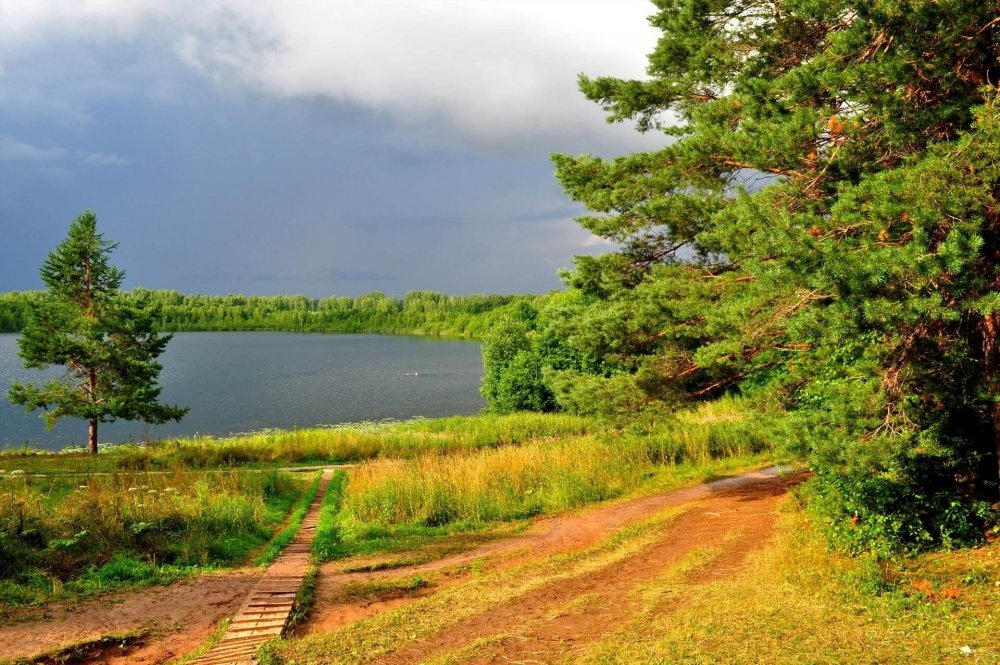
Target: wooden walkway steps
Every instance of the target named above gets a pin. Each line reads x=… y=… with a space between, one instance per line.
x=265 y=612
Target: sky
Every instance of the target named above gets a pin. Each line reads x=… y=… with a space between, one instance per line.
x=308 y=148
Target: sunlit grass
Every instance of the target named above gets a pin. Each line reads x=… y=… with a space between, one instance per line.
x=395 y=504
x=326 y=445
x=86 y=534
x=795 y=601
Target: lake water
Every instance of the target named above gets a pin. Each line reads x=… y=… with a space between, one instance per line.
x=240 y=382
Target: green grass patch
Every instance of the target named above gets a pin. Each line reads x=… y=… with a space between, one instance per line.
x=325 y=542
x=67 y=537
x=304 y=598
x=287 y=535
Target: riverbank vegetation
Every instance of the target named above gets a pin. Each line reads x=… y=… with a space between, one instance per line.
x=396 y=504
x=73 y=523
x=416 y=313
x=314 y=446
x=67 y=536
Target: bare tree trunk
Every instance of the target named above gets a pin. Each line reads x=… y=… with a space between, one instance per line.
x=93 y=436
x=991 y=369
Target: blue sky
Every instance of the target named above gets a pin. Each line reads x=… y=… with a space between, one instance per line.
x=316 y=148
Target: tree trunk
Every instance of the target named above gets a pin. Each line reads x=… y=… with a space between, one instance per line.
x=991 y=370
x=92 y=381
x=93 y=436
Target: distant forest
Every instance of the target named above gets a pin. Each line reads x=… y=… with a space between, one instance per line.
x=418 y=312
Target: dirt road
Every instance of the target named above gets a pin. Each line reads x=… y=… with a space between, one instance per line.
x=732 y=516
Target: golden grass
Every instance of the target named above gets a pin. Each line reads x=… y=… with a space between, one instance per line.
x=370 y=638
x=795 y=602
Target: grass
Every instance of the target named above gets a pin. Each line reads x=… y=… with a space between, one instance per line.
x=315 y=446
x=792 y=601
x=375 y=636
x=67 y=537
x=205 y=646
x=284 y=537
x=324 y=543
x=304 y=599
x=433 y=494
x=798 y=602
x=439 y=503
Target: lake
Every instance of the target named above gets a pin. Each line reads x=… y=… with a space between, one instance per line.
x=246 y=381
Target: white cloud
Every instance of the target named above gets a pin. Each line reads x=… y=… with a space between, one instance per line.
x=492 y=72
x=12 y=150
x=99 y=159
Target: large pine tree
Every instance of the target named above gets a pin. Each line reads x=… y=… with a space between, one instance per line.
x=105 y=343
x=822 y=227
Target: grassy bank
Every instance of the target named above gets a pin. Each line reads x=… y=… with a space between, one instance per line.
x=69 y=536
x=284 y=537
x=392 y=505
x=329 y=445
x=417 y=483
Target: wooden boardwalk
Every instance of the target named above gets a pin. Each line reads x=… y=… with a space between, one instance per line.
x=264 y=614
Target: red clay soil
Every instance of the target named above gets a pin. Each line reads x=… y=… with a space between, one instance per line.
x=733 y=514
x=181 y=616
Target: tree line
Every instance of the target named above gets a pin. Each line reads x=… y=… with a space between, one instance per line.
x=418 y=312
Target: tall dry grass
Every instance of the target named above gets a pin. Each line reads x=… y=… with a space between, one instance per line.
x=325 y=445
x=512 y=482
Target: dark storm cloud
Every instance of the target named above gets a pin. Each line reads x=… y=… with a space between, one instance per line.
x=361 y=276
x=401 y=224
x=282 y=171
x=561 y=212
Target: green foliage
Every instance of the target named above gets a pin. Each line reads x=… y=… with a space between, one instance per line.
x=107 y=345
x=85 y=534
x=327 y=537
x=417 y=313
x=512 y=379
x=819 y=233
x=285 y=537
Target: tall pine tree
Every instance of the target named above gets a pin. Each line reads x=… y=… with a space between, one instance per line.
x=821 y=228
x=105 y=343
